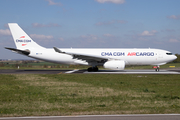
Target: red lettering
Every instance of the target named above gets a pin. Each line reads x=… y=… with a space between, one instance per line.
x=131 y=54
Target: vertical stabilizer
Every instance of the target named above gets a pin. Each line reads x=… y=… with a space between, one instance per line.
x=21 y=39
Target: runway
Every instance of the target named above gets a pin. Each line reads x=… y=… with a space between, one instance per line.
x=102 y=117
x=134 y=72
x=84 y=71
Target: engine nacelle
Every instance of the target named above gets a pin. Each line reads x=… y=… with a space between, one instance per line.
x=115 y=65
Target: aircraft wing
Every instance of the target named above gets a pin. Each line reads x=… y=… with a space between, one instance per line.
x=86 y=57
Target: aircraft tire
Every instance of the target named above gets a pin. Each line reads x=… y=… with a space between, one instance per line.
x=95 y=69
x=157 y=69
x=92 y=69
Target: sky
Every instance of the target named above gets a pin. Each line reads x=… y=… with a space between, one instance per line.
x=92 y=24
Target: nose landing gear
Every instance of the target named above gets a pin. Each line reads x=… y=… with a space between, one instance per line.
x=156 y=68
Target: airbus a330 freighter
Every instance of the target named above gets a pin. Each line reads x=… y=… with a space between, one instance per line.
x=115 y=59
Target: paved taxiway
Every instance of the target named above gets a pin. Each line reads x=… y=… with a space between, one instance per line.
x=143 y=71
x=13 y=71
x=102 y=117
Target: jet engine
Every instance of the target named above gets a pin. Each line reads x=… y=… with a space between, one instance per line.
x=114 y=64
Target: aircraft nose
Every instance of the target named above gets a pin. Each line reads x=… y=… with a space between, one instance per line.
x=174 y=57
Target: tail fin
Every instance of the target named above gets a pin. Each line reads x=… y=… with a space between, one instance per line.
x=21 y=39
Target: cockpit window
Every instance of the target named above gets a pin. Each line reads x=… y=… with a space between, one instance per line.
x=169 y=53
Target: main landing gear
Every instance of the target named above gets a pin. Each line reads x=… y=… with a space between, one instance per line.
x=93 y=69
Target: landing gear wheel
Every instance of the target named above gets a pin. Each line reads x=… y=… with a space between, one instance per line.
x=92 y=69
x=157 y=69
x=95 y=69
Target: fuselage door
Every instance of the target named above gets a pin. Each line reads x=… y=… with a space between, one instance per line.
x=160 y=55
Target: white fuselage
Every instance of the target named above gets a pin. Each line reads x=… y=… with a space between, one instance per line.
x=130 y=56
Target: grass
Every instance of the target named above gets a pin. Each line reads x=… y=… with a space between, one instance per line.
x=84 y=94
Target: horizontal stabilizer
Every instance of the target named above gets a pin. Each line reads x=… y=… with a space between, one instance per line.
x=24 y=52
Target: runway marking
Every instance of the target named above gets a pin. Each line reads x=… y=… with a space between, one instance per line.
x=80 y=116
x=72 y=71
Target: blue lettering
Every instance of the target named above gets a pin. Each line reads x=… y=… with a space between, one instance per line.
x=144 y=54
x=107 y=54
x=118 y=53
x=152 y=54
x=112 y=54
x=102 y=54
x=148 y=54
x=137 y=54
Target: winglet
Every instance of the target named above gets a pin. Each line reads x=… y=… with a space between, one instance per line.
x=57 y=50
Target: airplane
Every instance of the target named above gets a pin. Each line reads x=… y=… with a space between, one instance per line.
x=110 y=58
